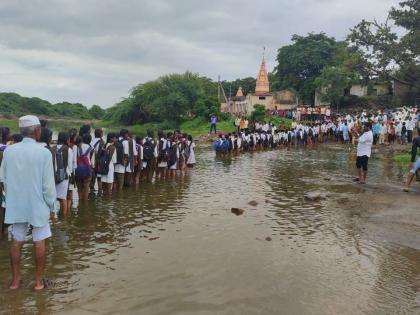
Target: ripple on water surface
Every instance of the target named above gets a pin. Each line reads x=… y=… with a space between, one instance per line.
x=174 y=247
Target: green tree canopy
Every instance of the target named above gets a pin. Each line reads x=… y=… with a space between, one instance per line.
x=170 y=98
x=96 y=112
x=300 y=63
x=258 y=114
x=332 y=83
x=385 y=55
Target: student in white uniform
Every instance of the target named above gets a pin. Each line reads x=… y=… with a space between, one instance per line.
x=162 y=156
x=84 y=166
x=130 y=151
x=108 y=179
x=121 y=161
x=72 y=139
x=190 y=148
x=173 y=155
x=97 y=144
x=62 y=151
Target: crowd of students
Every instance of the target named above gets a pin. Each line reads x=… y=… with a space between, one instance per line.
x=84 y=163
x=365 y=130
x=388 y=128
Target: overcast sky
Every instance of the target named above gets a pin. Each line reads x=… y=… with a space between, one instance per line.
x=94 y=51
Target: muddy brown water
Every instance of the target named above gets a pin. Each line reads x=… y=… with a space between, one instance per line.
x=174 y=247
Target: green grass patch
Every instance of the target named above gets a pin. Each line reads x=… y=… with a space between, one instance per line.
x=199 y=126
x=403 y=160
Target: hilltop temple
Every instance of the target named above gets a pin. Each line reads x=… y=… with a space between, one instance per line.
x=244 y=104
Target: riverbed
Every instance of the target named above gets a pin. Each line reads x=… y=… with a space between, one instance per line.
x=174 y=247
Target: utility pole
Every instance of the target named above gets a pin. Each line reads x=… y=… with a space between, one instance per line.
x=218 y=88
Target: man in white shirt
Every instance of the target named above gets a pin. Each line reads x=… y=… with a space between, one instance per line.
x=364 y=150
x=410 y=128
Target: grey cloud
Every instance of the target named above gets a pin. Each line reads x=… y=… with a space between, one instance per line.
x=94 y=51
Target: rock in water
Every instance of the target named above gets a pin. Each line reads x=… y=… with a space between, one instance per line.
x=268 y=239
x=237 y=211
x=315 y=195
x=253 y=203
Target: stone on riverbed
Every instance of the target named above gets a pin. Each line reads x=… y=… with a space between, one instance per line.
x=253 y=203
x=315 y=195
x=237 y=211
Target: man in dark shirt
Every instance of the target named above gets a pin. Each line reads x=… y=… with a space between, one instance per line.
x=416 y=165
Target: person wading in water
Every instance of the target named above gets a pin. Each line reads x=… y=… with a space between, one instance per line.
x=29 y=185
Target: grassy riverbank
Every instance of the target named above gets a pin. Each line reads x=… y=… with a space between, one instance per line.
x=195 y=127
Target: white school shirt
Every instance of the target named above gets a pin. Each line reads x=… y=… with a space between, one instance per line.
x=126 y=146
x=191 y=158
x=364 y=147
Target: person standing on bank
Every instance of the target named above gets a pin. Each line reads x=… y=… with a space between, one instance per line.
x=364 y=150
x=213 y=123
x=29 y=184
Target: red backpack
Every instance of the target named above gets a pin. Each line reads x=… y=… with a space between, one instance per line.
x=84 y=168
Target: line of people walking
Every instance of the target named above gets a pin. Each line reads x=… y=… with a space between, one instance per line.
x=35 y=175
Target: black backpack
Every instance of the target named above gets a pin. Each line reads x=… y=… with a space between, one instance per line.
x=120 y=152
x=172 y=154
x=97 y=148
x=60 y=163
x=104 y=159
x=148 y=150
x=163 y=152
x=187 y=151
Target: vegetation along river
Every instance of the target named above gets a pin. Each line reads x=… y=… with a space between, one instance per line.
x=174 y=247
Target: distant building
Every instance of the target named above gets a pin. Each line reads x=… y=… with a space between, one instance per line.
x=244 y=105
x=364 y=90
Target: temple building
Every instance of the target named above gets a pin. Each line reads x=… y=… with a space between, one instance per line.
x=244 y=104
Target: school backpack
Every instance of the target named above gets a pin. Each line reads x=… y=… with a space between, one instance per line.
x=172 y=154
x=96 y=149
x=148 y=150
x=60 y=159
x=245 y=144
x=217 y=146
x=104 y=159
x=84 y=168
x=226 y=145
x=230 y=144
x=235 y=144
x=120 y=152
x=187 y=151
x=163 y=152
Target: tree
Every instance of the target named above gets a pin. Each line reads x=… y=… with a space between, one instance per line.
x=385 y=55
x=206 y=107
x=171 y=98
x=96 y=112
x=300 y=63
x=258 y=114
x=332 y=83
x=247 y=85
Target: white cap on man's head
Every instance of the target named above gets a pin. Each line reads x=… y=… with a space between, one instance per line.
x=28 y=121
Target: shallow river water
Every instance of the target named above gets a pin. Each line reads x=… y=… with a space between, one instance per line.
x=174 y=247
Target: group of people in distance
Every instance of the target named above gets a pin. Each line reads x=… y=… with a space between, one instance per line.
x=363 y=129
